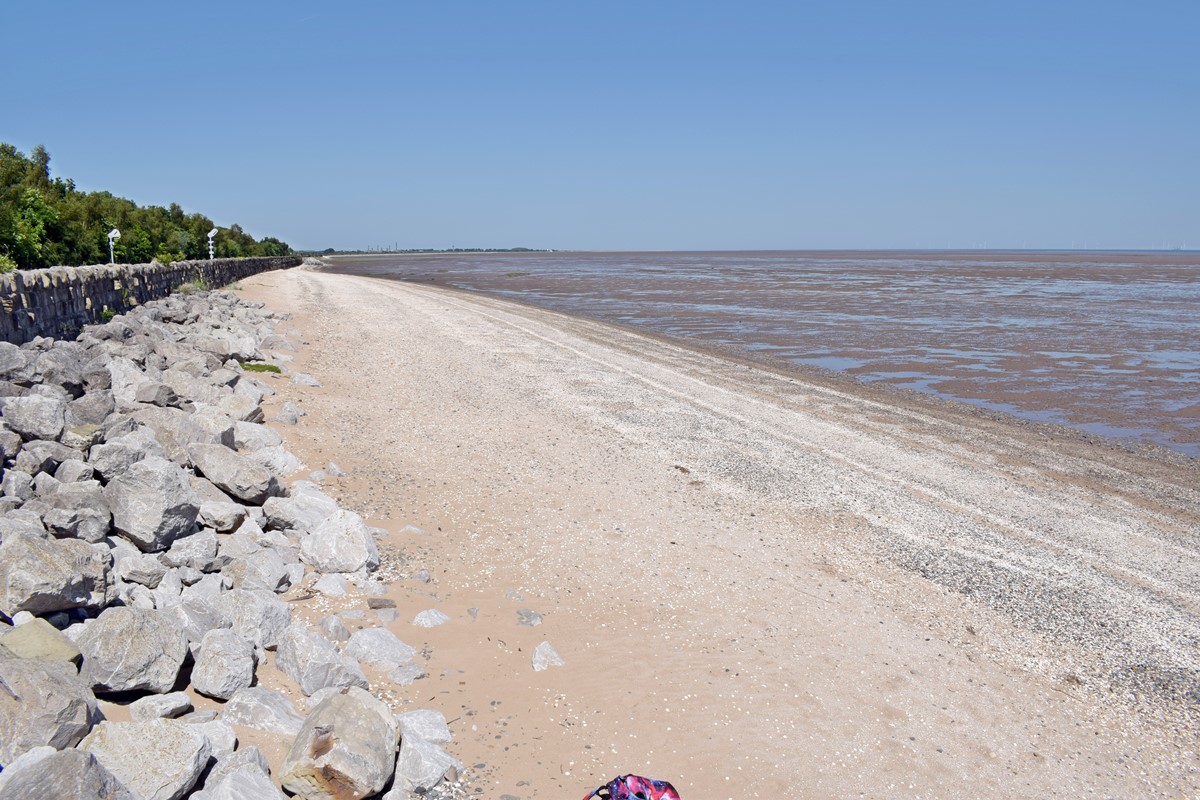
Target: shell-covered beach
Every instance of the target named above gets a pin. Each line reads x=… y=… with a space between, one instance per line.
x=758 y=582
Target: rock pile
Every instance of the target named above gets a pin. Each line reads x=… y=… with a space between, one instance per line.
x=146 y=536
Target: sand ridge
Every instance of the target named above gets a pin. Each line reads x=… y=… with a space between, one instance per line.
x=758 y=583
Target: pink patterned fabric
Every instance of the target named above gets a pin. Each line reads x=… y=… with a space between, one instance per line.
x=634 y=787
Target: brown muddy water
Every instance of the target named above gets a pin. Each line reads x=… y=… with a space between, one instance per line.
x=1108 y=343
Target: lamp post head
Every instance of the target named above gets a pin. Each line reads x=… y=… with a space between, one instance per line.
x=212 y=233
x=114 y=234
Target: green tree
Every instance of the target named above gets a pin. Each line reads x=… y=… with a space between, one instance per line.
x=46 y=220
x=33 y=224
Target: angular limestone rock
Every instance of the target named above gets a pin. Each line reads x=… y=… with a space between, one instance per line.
x=430 y=618
x=35 y=416
x=379 y=647
x=42 y=576
x=41 y=640
x=142 y=568
x=132 y=648
x=159 y=706
x=313 y=662
x=345 y=749
x=248 y=757
x=262 y=709
x=236 y=474
x=340 y=543
x=42 y=703
x=304 y=509
x=257 y=616
x=225 y=665
x=244 y=783
x=424 y=723
x=152 y=503
x=158 y=759
x=221 y=516
x=68 y=774
x=420 y=766
x=264 y=569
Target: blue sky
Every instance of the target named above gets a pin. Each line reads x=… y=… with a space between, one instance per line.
x=659 y=125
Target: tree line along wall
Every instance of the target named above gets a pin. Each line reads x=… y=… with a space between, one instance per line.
x=57 y=302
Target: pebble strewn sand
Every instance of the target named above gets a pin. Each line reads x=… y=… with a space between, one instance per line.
x=760 y=583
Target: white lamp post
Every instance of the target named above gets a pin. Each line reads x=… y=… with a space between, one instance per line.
x=211 y=235
x=113 y=235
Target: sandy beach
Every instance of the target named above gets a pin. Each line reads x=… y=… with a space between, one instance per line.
x=761 y=583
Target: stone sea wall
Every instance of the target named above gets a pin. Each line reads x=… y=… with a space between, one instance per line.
x=59 y=301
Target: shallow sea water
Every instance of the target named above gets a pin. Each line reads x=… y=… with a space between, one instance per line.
x=1108 y=343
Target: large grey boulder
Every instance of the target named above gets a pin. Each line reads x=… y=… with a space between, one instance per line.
x=252 y=436
x=38 y=639
x=62 y=366
x=42 y=456
x=313 y=662
x=222 y=516
x=196 y=550
x=199 y=609
x=303 y=509
x=379 y=647
x=345 y=749
x=157 y=759
x=191 y=387
x=42 y=703
x=75 y=470
x=424 y=723
x=159 y=706
x=420 y=766
x=236 y=474
x=222 y=739
x=66 y=774
x=15 y=365
x=20 y=520
x=264 y=569
x=279 y=461
x=24 y=761
x=35 y=416
x=125 y=379
x=91 y=409
x=262 y=709
x=152 y=503
x=17 y=483
x=142 y=568
x=176 y=430
x=244 y=783
x=226 y=664
x=78 y=510
x=119 y=453
x=247 y=757
x=257 y=616
x=41 y=576
x=132 y=648
x=241 y=408
x=342 y=542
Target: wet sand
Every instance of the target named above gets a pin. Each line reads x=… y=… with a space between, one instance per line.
x=1106 y=342
x=761 y=584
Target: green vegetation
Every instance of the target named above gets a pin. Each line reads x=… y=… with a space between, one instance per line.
x=107 y=314
x=252 y=366
x=197 y=284
x=46 y=222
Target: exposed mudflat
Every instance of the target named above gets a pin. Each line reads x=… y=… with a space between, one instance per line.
x=761 y=583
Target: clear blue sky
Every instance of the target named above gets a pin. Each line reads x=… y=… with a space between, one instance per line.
x=664 y=125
